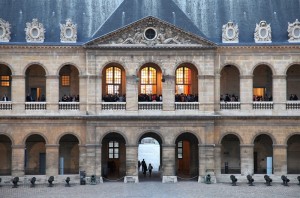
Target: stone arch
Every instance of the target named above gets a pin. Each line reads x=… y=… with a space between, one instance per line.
x=191 y=132
x=108 y=63
x=35 y=133
x=155 y=133
x=192 y=63
x=266 y=64
x=287 y=137
x=9 y=66
x=264 y=133
x=35 y=63
x=292 y=81
x=69 y=63
x=231 y=133
x=287 y=67
x=118 y=132
x=142 y=64
x=293 y=149
x=6 y=145
x=230 y=83
x=232 y=64
x=69 y=133
x=9 y=137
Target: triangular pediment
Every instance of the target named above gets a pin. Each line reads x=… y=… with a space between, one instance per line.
x=150 y=32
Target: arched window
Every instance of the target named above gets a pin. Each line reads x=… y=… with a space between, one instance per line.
x=183 y=80
x=148 y=80
x=113 y=80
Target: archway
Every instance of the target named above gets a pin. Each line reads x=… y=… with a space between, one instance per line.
x=186 y=84
x=113 y=156
x=5 y=83
x=114 y=83
x=6 y=154
x=230 y=155
x=69 y=84
x=293 y=157
x=150 y=150
x=68 y=155
x=230 y=84
x=262 y=83
x=187 y=156
x=35 y=155
x=292 y=82
x=263 y=152
x=35 y=82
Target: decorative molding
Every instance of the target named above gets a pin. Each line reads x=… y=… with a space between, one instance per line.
x=68 y=32
x=4 y=31
x=230 y=33
x=263 y=32
x=294 y=32
x=35 y=32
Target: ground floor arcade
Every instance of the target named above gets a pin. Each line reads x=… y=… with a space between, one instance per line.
x=189 y=148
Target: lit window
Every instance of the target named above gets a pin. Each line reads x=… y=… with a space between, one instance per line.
x=65 y=80
x=113 y=150
x=5 y=81
x=183 y=80
x=179 y=150
x=148 y=80
x=113 y=80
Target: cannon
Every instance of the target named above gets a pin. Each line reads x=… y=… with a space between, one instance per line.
x=68 y=182
x=0 y=181
x=233 y=180
x=298 y=179
x=15 y=182
x=93 y=180
x=208 y=179
x=285 y=180
x=268 y=180
x=50 y=181
x=32 y=181
x=250 y=180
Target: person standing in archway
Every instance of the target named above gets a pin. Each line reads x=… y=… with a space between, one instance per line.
x=150 y=167
x=144 y=167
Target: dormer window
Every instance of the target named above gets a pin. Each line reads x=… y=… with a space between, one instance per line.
x=68 y=32
x=262 y=33
x=35 y=32
x=230 y=33
x=4 y=31
x=150 y=33
x=294 y=32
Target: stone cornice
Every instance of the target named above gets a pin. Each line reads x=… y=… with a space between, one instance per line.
x=279 y=146
x=246 y=76
x=247 y=145
x=206 y=77
x=18 y=76
x=18 y=146
x=260 y=47
x=52 y=77
x=279 y=77
x=52 y=145
x=12 y=46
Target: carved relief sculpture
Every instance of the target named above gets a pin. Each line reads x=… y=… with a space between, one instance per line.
x=294 y=32
x=230 y=33
x=68 y=32
x=35 y=32
x=4 y=31
x=262 y=33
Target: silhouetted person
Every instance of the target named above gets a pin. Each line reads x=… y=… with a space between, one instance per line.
x=150 y=167
x=144 y=167
x=139 y=165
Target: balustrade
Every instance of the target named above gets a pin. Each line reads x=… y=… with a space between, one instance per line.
x=150 y=105
x=263 y=105
x=293 y=104
x=5 y=105
x=68 y=105
x=230 y=105
x=113 y=105
x=187 y=105
x=35 y=106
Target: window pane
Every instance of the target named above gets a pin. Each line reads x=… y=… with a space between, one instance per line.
x=144 y=76
x=111 y=150
x=152 y=76
x=5 y=83
x=116 y=155
x=65 y=80
x=116 y=150
x=180 y=156
x=179 y=76
x=180 y=150
x=111 y=144
x=109 y=75
x=110 y=89
x=111 y=156
x=180 y=144
x=116 y=144
x=4 y=77
x=117 y=79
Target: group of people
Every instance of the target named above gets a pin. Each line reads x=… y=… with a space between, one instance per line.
x=114 y=98
x=149 y=98
x=29 y=98
x=145 y=168
x=186 y=98
x=5 y=98
x=229 y=98
x=261 y=98
x=293 y=97
x=69 y=98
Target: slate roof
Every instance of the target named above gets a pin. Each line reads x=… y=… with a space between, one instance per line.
x=95 y=18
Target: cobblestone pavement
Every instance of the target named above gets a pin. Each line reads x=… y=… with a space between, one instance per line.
x=152 y=189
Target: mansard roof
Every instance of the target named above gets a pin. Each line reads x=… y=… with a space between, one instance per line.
x=204 y=18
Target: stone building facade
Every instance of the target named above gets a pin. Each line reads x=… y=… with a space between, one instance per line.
x=85 y=105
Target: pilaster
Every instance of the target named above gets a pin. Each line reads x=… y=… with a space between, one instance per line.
x=52 y=92
x=168 y=161
x=18 y=93
x=131 y=164
x=18 y=158
x=247 y=160
x=132 y=84
x=280 y=159
x=52 y=159
x=246 y=90
x=168 y=93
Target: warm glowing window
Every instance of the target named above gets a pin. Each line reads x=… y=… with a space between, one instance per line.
x=179 y=150
x=113 y=80
x=183 y=80
x=148 y=80
x=113 y=150
x=5 y=81
x=65 y=80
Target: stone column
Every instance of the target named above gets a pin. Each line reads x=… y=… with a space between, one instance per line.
x=218 y=164
x=246 y=91
x=52 y=93
x=247 y=160
x=131 y=164
x=168 y=163
x=168 y=93
x=279 y=92
x=18 y=94
x=280 y=159
x=52 y=159
x=206 y=162
x=84 y=89
x=18 y=158
x=217 y=92
x=132 y=86
x=91 y=159
x=98 y=93
x=206 y=92
x=82 y=157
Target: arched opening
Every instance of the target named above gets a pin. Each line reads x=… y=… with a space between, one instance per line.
x=293 y=157
x=230 y=155
x=186 y=84
x=5 y=157
x=114 y=83
x=150 y=83
x=263 y=155
x=187 y=155
x=262 y=83
x=35 y=84
x=68 y=155
x=69 y=84
x=35 y=155
x=113 y=156
x=292 y=82
x=5 y=83
x=150 y=151
x=230 y=84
